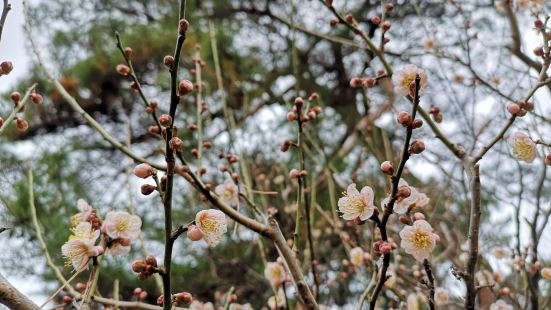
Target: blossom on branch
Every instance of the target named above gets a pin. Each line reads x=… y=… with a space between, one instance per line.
x=228 y=192
x=418 y=240
x=405 y=77
x=120 y=224
x=275 y=273
x=213 y=224
x=81 y=246
x=357 y=256
x=356 y=204
x=403 y=204
x=522 y=147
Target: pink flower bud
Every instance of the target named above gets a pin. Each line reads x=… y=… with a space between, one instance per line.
x=151 y=261
x=15 y=97
x=404 y=191
x=185 y=87
x=137 y=291
x=176 y=144
x=504 y=291
x=161 y=300
x=385 y=26
x=334 y=21
x=385 y=248
x=36 y=98
x=142 y=295
x=67 y=299
x=369 y=82
x=128 y=52
x=376 y=20
x=513 y=108
x=299 y=102
x=80 y=286
x=183 y=25
x=6 y=67
x=21 y=124
x=547 y=158
x=418 y=216
x=417 y=123
x=314 y=96
x=184 y=297
x=138 y=265
x=389 y=7
x=291 y=116
x=123 y=70
x=404 y=118
x=168 y=61
x=355 y=82
x=387 y=167
x=294 y=174
x=538 y=24
x=194 y=233
x=349 y=18
x=538 y=51
x=144 y=171
x=165 y=120
x=416 y=147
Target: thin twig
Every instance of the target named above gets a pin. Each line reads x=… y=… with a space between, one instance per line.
x=5 y=10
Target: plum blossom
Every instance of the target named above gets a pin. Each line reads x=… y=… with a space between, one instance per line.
x=81 y=246
x=213 y=224
x=85 y=212
x=228 y=192
x=412 y=302
x=275 y=273
x=415 y=200
x=356 y=204
x=501 y=305
x=546 y=273
x=277 y=301
x=122 y=225
x=522 y=147
x=356 y=256
x=441 y=296
x=418 y=240
x=405 y=76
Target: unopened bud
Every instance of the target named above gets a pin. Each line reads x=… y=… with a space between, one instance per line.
x=538 y=24
x=36 y=98
x=144 y=171
x=418 y=216
x=151 y=261
x=153 y=130
x=299 y=102
x=128 y=52
x=194 y=233
x=417 y=123
x=123 y=70
x=303 y=174
x=138 y=265
x=165 y=120
x=6 y=67
x=387 y=167
x=385 y=26
x=416 y=147
x=369 y=82
x=513 y=108
x=538 y=51
x=404 y=118
x=334 y=21
x=147 y=189
x=376 y=20
x=176 y=144
x=548 y=159
x=21 y=124
x=184 y=297
x=67 y=299
x=355 y=82
x=15 y=97
x=292 y=116
x=349 y=18
x=161 y=300
x=185 y=87
x=313 y=97
x=183 y=25
x=404 y=191
x=207 y=144
x=168 y=61
x=294 y=174
x=285 y=146
x=389 y=7
x=142 y=295
x=404 y=219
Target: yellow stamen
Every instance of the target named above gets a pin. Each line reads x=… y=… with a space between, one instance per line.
x=420 y=239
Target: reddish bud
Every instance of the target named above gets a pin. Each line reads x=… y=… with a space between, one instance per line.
x=137 y=291
x=15 y=97
x=192 y=127
x=529 y=106
x=165 y=120
x=404 y=118
x=36 y=98
x=144 y=171
x=349 y=18
x=168 y=61
x=207 y=144
x=389 y=7
x=513 y=108
x=142 y=295
x=151 y=260
x=285 y=145
x=184 y=297
x=334 y=21
x=6 y=67
x=299 y=102
x=292 y=116
x=313 y=96
x=312 y=115
x=538 y=24
x=176 y=144
x=538 y=51
x=138 y=265
x=161 y=300
x=185 y=87
x=437 y=117
x=355 y=82
x=381 y=72
x=404 y=219
x=80 y=286
x=153 y=130
x=404 y=191
x=123 y=70
x=385 y=26
x=417 y=123
x=387 y=167
x=418 y=216
x=67 y=299
x=194 y=233
x=147 y=189
x=294 y=174
x=233 y=158
x=369 y=82
x=128 y=52
x=303 y=174
x=416 y=147
x=183 y=25
x=21 y=124
x=548 y=159
x=376 y=20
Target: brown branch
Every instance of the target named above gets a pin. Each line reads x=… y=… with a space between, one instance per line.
x=474 y=230
x=12 y=298
x=394 y=196
x=430 y=284
x=18 y=108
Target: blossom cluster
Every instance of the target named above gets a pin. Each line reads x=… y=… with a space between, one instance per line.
x=118 y=230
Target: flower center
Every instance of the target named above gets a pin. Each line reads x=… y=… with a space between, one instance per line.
x=74 y=254
x=122 y=226
x=228 y=193
x=421 y=240
x=523 y=148
x=208 y=225
x=408 y=79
